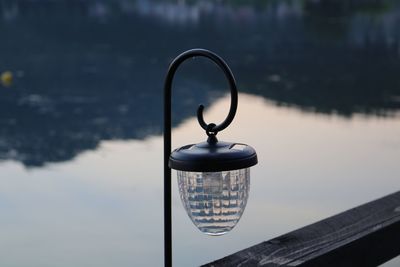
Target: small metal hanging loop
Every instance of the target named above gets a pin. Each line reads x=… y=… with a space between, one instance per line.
x=212 y=136
x=209 y=128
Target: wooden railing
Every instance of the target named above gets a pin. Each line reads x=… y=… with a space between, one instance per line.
x=367 y=235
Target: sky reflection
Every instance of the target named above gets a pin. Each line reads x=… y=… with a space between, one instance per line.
x=104 y=207
x=100 y=209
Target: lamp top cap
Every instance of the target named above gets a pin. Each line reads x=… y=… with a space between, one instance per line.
x=213 y=157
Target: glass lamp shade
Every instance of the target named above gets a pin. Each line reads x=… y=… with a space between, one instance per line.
x=214 y=182
x=214 y=201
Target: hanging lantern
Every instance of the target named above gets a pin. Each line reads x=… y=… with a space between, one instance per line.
x=213 y=176
x=214 y=182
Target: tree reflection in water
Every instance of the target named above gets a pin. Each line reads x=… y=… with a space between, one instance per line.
x=87 y=71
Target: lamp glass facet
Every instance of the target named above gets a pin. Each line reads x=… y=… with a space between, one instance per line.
x=214 y=201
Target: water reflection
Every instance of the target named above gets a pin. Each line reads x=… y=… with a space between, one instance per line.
x=87 y=71
x=104 y=207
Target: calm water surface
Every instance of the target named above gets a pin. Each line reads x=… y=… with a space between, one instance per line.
x=80 y=127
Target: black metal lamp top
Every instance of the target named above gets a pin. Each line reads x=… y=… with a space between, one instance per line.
x=210 y=156
x=213 y=157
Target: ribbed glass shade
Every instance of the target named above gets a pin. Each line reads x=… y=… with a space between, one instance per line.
x=214 y=201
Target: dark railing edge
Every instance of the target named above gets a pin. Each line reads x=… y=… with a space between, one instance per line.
x=367 y=235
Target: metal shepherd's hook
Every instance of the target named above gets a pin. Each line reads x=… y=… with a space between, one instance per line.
x=211 y=130
x=228 y=74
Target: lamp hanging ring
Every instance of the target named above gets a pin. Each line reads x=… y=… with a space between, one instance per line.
x=209 y=128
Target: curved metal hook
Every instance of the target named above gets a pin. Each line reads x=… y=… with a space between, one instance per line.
x=210 y=128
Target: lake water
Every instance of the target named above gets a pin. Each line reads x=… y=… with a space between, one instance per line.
x=81 y=176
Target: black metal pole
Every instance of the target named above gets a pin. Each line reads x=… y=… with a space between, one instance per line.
x=167 y=177
x=167 y=132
